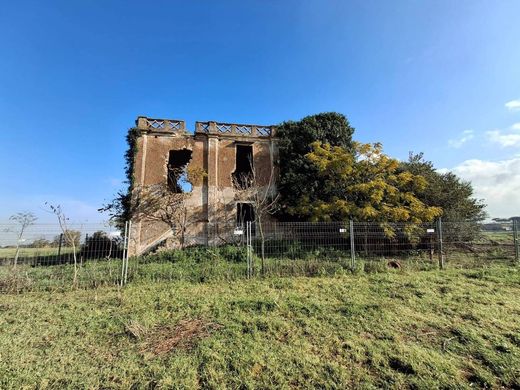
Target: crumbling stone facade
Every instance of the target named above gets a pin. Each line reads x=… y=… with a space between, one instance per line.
x=222 y=151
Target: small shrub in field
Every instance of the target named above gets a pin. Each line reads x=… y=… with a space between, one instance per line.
x=14 y=282
x=199 y=254
x=232 y=253
x=375 y=266
x=165 y=256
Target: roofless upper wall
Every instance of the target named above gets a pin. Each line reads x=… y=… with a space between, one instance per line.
x=234 y=129
x=160 y=125
x=210 y=127
x=221 y=152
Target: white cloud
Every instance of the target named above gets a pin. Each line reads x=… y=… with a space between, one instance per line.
x=466 y=136
x=506 y=138
x=513 y=105
x=497 y=182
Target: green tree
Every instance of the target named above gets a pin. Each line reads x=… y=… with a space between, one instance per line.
x=41 y=243
x=364 y=184
x=101 y=245
x=298 y=176
x=69 y=237
x=445 y=190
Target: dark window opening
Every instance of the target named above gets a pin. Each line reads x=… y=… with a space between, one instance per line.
x=243 y=175
x=177 y=174
x=245 y=213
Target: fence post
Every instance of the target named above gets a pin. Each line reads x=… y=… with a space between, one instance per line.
x=352 y=246
x=59 y=246
x=441 y=249
x=515 y=238
x=248 y=247
x=128 y=233
x=125 y=239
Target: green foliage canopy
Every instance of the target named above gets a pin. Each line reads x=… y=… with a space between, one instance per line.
x=68 y=238
x=445 y=190
x=298 y=176
x=364 y=184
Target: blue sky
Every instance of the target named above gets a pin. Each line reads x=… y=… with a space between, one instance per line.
x=441 y=77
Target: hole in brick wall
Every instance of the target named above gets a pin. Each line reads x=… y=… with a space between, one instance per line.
x=177 y=170
x=243 y=175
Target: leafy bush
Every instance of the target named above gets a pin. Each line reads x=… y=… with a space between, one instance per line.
x=374 y=266
x=233 y=253
x=199 y=254
x=300 y=249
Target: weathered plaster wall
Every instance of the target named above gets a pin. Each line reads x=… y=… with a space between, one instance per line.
x=213 y=199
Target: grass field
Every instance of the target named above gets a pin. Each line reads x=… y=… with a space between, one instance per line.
x=223 y=265
x=9 y=253
x=503 y=237
x=397 y=329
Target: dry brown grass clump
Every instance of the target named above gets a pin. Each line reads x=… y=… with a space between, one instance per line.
x=14 y=283
x=183 y=335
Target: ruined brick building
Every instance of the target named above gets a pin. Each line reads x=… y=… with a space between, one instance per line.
x=223 y=151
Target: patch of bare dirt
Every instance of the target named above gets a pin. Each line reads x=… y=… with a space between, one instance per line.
x=183 y=335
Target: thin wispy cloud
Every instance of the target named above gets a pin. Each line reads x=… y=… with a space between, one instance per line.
x=506 y=138
x=513 y=105
x=466 y=136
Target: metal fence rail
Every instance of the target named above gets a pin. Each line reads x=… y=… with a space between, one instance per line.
x=91 y=255
x=217 y=252
x=292 y=248
x=45 y=257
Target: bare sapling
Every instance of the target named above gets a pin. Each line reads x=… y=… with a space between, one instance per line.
x=69 y=235
x=261 y=193
x=23 y=221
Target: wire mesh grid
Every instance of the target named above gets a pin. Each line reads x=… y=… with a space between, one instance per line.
x=396 y=242
x=217 y=251
x=324 y=247
x=45 y=257
x=467 y=244
x=299 y=248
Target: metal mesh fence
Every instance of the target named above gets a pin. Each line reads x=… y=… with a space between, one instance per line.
x=315 y=248
x=44 y=257
x=88 y=255
x=467 y=244
x=299 y=248
x=449 y=244
x=227 y=252
x=215 y=252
